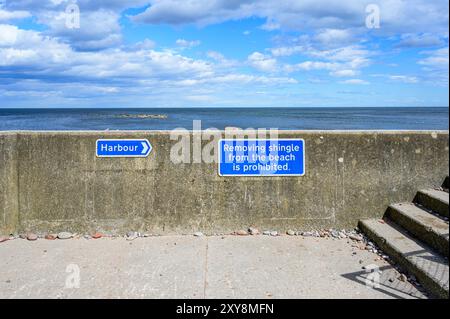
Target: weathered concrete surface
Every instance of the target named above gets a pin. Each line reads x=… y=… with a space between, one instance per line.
x=434 y=199
x=9 y=195
x=190 y=267
x=430 y=268
x=419 y=222
x=349 y=176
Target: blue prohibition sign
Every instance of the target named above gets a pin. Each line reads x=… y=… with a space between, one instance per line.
x=123 y=148
x=261 y=157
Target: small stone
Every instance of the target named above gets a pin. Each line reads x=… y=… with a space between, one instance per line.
x=65 y=235
x=391 y=279
x=32 y=237
x=97 y=235
x=290 y=233
x=242 y=232
x=87 y=236
x=342 y=235
x=334 y=234
x=274 y=233
x=253 y=231
x=355 y=237
x=266 y=232
x=131 y=234
x=307 y=234
x=23 y=236
x=3 y=239
x=198 y=234
x=50 y=237
x=403 y=278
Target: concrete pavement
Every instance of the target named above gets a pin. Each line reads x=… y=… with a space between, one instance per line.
x=195 y=267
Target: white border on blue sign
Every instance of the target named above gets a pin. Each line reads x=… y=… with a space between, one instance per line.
x=263 y=139
x=122 y=139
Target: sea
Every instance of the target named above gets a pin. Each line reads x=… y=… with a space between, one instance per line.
x=307 y=118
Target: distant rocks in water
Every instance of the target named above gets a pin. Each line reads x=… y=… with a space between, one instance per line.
x=143 y=116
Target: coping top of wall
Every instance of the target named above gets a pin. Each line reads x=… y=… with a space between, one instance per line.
x=164 y=132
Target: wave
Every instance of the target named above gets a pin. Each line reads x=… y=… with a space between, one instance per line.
x=142 y=116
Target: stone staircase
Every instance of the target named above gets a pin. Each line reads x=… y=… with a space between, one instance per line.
x=416 y=236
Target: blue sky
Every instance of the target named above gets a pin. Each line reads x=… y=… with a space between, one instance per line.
x=218 y=53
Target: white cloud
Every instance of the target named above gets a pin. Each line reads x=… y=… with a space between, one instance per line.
x=187 y=44
x=404 y=78
x=199 y=98
x=30 y=48
x=270 y=26
x=344 y=73
x=135 y=70
x=419 y=41
x=436 y=66
x=334 y=37
x=262 y=62
x=288 y=51
x=355 y=82
x=312 y=65
x=396 y=15
x=437 y=59
x=13 y=15
x=98 y=29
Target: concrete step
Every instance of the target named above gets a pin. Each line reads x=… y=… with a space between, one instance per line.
x=422 y=224
x=430 y=268
x=435 y=200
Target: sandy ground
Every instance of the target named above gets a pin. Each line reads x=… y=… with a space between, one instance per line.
x=195 y=267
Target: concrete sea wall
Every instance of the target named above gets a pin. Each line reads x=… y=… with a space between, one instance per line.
x=53 y=181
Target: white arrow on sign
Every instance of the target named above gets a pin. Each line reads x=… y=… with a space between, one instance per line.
x=145 y=148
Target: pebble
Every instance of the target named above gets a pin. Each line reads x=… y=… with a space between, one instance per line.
x=87 y=237
x=23 y=236
x=274 y=233
x=50 y=237
x=97 y=236
x=242 y=232
x=403 y=278
x=132 y=235
x=355 y=237
x=3 y=239
x=334 y=234
x=290 y=233
x=307 y=234
x=324 y=234
x=253 y=231
x=198 y=234
x=65 y=235
x=32 y=237
x=266 y=232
